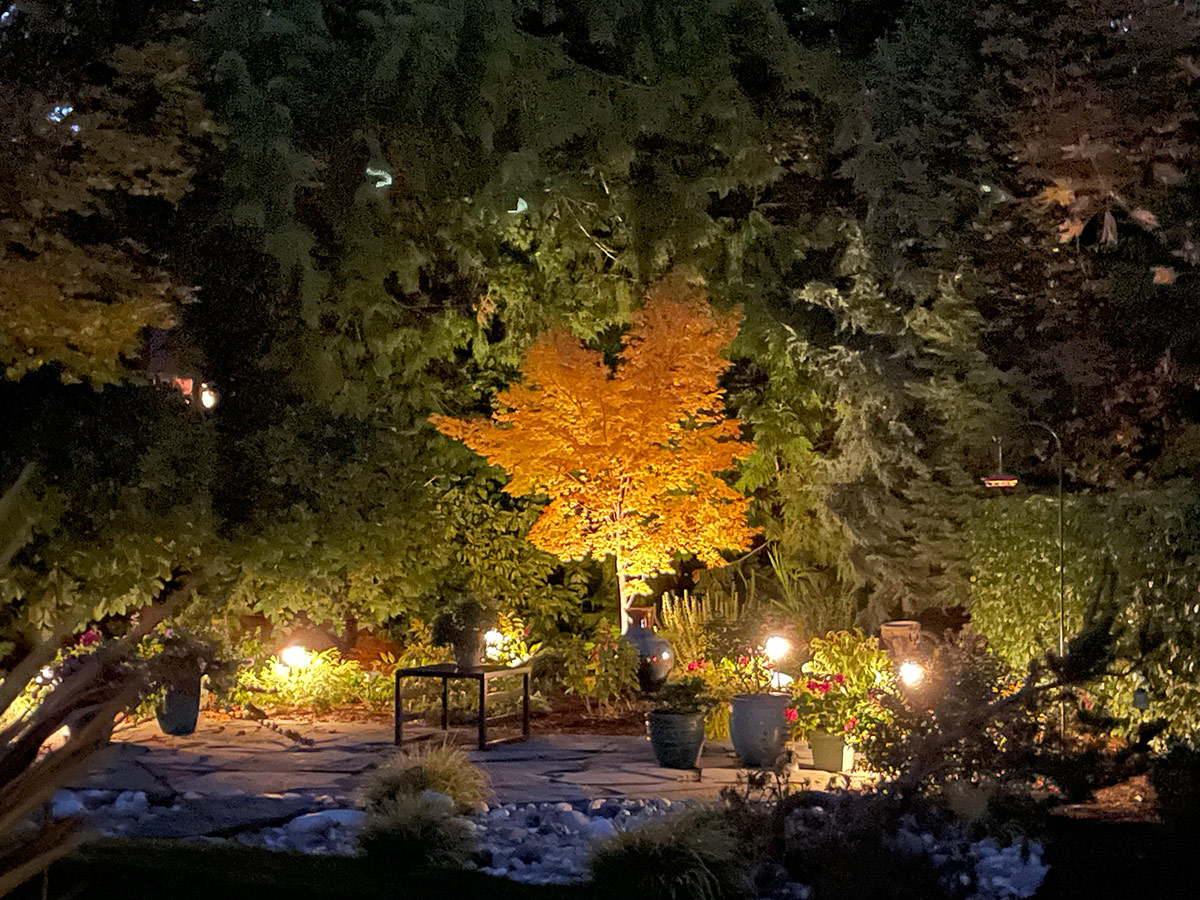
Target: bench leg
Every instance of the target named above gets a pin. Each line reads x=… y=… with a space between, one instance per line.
x=525 y=705
x=398 y=711
x=482 y=713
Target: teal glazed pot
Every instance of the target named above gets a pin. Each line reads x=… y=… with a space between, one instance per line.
x=677 y=738
x=758 y=728
x=656 y=657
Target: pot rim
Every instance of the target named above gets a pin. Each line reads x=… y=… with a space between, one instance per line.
x=759 y=695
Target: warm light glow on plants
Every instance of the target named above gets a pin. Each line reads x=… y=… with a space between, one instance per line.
x=295 y=656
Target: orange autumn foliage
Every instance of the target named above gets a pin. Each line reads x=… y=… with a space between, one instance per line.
x=628 y=458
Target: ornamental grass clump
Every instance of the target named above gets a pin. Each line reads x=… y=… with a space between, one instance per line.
x=428 y=767
x=418 y=831
x=692 y=856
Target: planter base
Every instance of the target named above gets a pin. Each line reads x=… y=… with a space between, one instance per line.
x=831 y=752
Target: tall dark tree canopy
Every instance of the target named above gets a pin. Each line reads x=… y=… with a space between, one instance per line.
x=941 y=219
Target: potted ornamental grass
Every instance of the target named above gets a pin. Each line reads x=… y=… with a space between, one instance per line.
x=675 y=726
x=839 y=700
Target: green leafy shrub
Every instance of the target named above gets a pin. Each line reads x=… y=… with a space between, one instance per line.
x=325 y=681
x=1150 y=540
x=975 y=721
x=427 y=767
x=602 y=669
x=1176 y=779
x=692 y=856
x=409 y=831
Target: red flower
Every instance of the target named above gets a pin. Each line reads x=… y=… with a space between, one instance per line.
x=813 y=685
x=695 y=665
x=839 y=678
x=89 y=637
x=743 y=661
x=790 y=714
x=850 y=723
x=824 y=687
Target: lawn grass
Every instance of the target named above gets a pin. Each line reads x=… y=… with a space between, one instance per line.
x=133 y=869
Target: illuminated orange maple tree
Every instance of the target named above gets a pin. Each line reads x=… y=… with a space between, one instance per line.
x=628 y=458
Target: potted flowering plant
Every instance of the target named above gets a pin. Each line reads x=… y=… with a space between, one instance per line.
x=676 y=725
x=839 y=702
x=756 y=713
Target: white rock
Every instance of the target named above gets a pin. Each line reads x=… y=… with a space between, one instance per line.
x=193 y=795
x=437 y=798
x=311 y=823
x=131 y=802
x=601 y=828
x=65 y=803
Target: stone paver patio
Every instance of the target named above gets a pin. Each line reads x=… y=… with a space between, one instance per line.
x=230 y=775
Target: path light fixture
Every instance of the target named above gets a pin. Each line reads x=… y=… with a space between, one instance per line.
x=1003 y=480
x=777 y=647
x=208 y=396
x=295 y=657
x=911 y=673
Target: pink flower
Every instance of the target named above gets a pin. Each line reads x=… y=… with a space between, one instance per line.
x=695 y=665
x=850 y=723
x=89 y=637
x=790 y=714
x=839 y=678
x=743 y=661
x=813 y=685
x=824 y=687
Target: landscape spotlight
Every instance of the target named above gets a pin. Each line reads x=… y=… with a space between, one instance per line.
x=295 y=657
x=911 y=673
x=208 y=396
x=777 y=647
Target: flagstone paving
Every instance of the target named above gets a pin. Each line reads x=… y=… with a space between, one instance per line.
x=232 y=775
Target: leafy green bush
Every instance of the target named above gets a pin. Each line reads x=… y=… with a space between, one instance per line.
x=408 y=831
x=695 y=855
x=325 y=681
x=602 y=669
x=1150 y=539
x=427 y=767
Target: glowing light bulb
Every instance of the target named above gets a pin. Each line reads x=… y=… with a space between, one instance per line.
x=493 y=638
x=295 y=656
x=911 y=673
x=208 y=397
x=777 y=647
